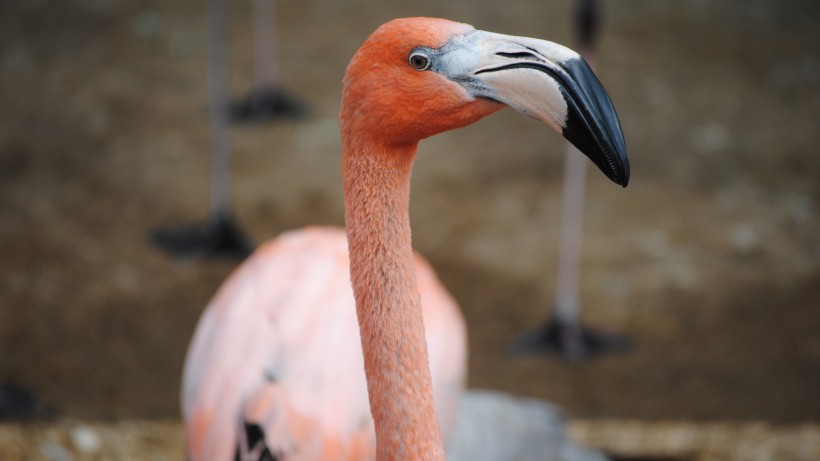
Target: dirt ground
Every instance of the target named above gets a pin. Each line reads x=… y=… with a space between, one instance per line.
x=624 y=440
x=709 y=260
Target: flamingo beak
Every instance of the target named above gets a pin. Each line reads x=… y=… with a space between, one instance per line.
x=542 y=80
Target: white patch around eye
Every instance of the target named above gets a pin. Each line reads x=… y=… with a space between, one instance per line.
x=460 y=61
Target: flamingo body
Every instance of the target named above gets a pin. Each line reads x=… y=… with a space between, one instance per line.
x=278 y=346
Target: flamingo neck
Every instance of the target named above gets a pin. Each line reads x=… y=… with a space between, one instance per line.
x=377 y=195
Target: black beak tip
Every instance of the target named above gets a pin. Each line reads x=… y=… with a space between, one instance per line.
x=592 y=124
x=612 y=160
x=610 y=157
x=621 y=175
x=625 y=181
x=617 y=173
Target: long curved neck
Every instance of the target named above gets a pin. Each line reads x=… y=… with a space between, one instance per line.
x=377 y=194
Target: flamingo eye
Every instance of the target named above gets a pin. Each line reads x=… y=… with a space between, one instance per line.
x=419 y=60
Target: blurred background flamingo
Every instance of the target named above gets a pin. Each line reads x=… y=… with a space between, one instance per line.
x=564 y=332
x=268 y=100
x=221 y=235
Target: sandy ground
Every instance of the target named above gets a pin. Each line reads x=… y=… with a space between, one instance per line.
x=709 y=260
x=626 y=440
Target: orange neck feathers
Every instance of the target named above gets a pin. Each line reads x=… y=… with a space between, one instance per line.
x=377 y=190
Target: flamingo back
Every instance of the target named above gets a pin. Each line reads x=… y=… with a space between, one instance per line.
x=278 y=347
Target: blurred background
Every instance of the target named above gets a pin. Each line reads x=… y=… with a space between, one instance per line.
x=709 y=261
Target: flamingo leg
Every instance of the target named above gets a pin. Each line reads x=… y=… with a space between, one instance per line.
x=18 y=404
x=220 y=235
x=564 y=333
x=268 y=100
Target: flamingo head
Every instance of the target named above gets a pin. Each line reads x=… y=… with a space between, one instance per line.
x=416 y=77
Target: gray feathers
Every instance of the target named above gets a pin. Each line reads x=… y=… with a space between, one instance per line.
x=493 y=426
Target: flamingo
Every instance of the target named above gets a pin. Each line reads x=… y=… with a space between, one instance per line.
x=268 y=99
x=280 y=367
x=220 y=235
x=563 y=332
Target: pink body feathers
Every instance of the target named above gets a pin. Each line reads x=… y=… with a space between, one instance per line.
x=279 y=346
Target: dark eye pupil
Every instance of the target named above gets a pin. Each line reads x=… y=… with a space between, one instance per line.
x=418 y=61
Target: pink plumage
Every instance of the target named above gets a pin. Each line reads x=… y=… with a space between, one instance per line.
x=279 y=346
